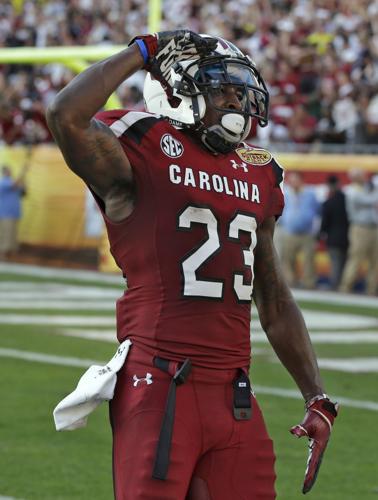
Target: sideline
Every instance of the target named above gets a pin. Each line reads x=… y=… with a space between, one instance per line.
x=51 y=359
x=58 y=305
x=350 y=365
x=85 y=363
x=326 y=297
x=35 y=319
x=290 y=393
x=50 y=289
x=321 y=296
x=9 y=498
x=316 y=321
x=55 y=272
x=328 y=337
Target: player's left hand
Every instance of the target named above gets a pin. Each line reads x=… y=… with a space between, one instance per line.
x=316 y=425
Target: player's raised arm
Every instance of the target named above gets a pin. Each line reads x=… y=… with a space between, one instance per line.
x=89 y=147
x=284 y=325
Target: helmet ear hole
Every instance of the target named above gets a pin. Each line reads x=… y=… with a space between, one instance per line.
x=174 y=101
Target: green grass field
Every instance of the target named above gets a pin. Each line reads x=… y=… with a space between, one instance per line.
x=46 y=318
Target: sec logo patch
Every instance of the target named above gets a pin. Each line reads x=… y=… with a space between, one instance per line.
x=254 y=156
x=171 y=146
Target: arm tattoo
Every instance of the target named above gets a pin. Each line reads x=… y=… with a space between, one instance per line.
x=96 y=156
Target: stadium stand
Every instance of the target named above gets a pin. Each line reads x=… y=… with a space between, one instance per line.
x=320 y=58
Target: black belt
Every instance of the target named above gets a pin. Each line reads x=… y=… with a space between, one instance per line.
x=163 y=449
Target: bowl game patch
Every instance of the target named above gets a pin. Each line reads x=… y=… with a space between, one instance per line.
x=254 y=156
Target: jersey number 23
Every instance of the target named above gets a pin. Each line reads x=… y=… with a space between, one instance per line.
x=213 y=288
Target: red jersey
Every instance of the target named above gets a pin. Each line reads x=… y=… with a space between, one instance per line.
x=187 y=248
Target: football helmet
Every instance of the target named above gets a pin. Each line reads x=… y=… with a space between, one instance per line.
x=183 y=101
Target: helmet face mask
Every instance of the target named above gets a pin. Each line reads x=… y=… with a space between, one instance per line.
x=214 y=74
x=197 y=85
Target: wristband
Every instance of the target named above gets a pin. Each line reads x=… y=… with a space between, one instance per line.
x=318 y=397
x=143 y=49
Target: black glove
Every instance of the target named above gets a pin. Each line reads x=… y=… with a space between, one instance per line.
x=162 y=50
x=316 y=425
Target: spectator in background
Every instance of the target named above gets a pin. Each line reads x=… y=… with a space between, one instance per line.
x=370 y=121
x=11 y=193
x=322 y=56
x=334 y=229
x=299 y=223
x=301 y=125
x=11 y=130
x=362 y=208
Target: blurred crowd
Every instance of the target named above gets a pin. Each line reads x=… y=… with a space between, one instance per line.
x=342 y=221
x=319 y=58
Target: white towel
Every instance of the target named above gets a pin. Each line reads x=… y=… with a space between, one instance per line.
x=95 y=386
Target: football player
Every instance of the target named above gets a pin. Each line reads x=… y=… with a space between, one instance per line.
x=190 y=210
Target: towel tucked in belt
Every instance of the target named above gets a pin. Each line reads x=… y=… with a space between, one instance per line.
x=95 y=386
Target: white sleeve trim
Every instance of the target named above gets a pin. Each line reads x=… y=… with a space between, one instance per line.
x=120 y=126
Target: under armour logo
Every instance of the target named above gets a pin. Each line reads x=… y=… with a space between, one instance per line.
x=239 y=165
x=147 y=379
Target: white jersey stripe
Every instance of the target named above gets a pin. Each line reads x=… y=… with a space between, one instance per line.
x=120 y=126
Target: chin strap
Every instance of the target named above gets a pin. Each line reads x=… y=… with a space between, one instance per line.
x=214 y=139
x=225 y=137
